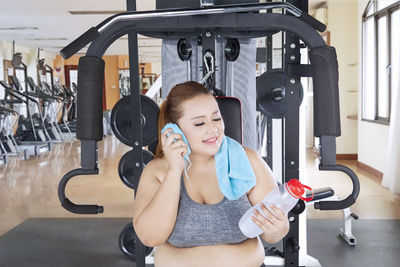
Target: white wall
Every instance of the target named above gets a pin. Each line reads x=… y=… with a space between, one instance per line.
x=29 y=56
x=343 y=27
x=368 y=140
x=372 y=137
x=342 y=24
x=156 y=67
x=5 y=53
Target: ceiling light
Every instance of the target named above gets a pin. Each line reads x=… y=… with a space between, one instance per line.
x=19 y=28
x=99 y=12
x=140 y=37
x=47 y=39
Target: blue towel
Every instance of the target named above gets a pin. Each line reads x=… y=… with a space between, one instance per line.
x=177 y=130
x=234 y=172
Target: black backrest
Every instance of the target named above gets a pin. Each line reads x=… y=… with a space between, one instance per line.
x=231 y=111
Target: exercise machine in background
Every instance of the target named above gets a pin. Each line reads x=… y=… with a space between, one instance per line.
x=22 y=134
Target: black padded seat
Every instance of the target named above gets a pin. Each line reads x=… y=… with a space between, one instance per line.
x=231 y=112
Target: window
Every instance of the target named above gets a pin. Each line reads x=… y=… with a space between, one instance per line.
x=381 y=4
x=395 y=46
x=380 y=68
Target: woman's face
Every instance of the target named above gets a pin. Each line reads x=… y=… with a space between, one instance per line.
x=202 y=125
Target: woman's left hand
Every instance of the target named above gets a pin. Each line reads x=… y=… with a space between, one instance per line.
x=275 y=226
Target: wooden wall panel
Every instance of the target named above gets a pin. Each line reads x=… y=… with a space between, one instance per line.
x=111 y=81
x=113 y=65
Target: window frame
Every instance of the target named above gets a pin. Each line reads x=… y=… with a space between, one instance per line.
x=376 y=15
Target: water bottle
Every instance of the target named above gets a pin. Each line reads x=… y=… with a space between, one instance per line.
x=285 y=197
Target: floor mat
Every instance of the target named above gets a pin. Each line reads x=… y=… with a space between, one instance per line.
x=94 y=242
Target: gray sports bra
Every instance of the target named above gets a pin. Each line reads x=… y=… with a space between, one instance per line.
x=200 y=224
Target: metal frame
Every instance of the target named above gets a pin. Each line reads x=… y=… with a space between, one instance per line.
x=291 y=144
x=228 y=25
x=268 y=122
x=262 y=23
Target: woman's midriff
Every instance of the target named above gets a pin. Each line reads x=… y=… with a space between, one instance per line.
x=249 y=253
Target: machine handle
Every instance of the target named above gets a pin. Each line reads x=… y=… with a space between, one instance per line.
x=12 y=101
x=79 y=43
x=43 y=96
x=20 y=95
x=70 y=206
x=8 y=110
x=347 y=202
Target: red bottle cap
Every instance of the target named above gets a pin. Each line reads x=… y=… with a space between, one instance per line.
x=296 y=189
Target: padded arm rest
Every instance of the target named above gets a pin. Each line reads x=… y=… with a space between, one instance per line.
x=90 y=94
x=321 y=193
x=325 y=68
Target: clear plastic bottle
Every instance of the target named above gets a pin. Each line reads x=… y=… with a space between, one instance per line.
x=285 y=197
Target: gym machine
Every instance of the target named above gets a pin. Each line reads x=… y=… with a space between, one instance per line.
x=32 y=137
x=44 y=73
x=54 y=109
x=228 y=21
x=271 y=104
x=6 y=119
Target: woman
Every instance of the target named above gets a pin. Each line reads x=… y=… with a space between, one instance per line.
x=189 y=220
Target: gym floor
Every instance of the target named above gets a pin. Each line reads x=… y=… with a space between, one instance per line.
x=28 y=189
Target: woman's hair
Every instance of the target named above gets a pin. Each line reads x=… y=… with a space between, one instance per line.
x=171 y=109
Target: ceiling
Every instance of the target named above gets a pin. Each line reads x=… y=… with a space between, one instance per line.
x=48 y=24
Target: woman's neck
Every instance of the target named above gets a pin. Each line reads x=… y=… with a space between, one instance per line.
x=200 y=161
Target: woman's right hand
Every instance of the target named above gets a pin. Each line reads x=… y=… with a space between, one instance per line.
x=174 y=151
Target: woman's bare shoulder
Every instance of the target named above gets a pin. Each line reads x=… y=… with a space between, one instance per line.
x=157 y=168
x=251 y=154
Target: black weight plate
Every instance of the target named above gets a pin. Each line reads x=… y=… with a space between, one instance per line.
x=121 y=107
x=184 y=50
x=121 y=121
x=127 y=169
x=232 y=49
x=150 y=111
x=127 y=242
x=266 y=84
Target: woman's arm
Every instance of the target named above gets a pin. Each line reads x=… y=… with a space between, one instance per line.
x=156 y=204
x=275 y=228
